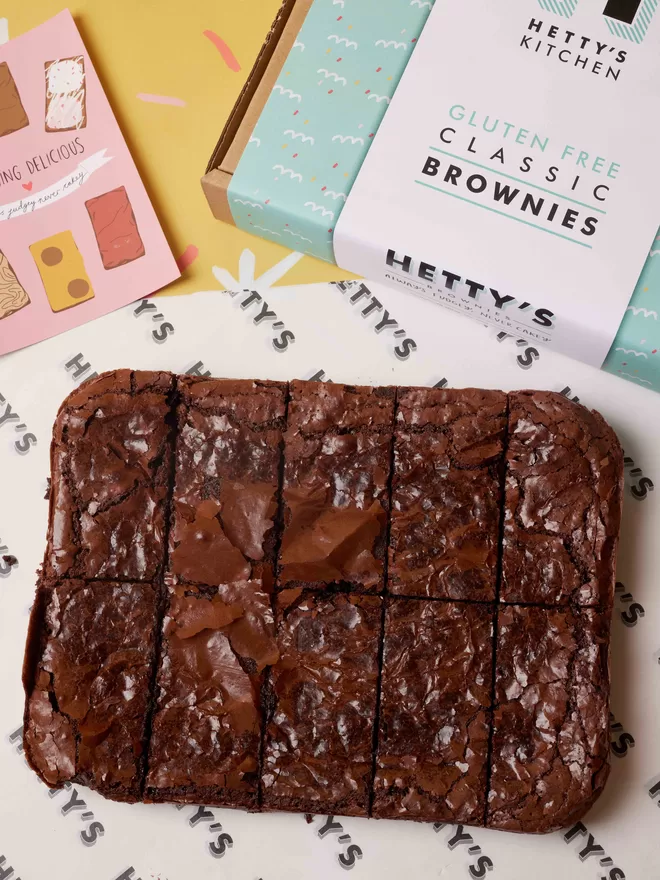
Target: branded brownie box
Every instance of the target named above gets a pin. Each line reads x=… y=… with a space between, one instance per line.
x=321 y=156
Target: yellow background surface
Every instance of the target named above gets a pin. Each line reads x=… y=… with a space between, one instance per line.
x=158 y=47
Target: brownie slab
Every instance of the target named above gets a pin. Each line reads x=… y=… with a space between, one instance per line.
x=207 y=726
x=551 y=722
x=446 y=493
x=563 y=502
x=335 y=493
x=86 y=675
x=110 y=464
x=227 y=476
x=322 y=704
x=434 y=712
x=282 y=596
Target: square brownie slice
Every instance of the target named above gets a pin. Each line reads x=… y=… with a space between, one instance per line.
x=228 y=460
x=446 y=493
x=551 y=740
x=206 y=731
x=322 y=703
x=110 y=467
x=87 y=673
x=434 y=712
x=564 y=489
x=336 y=472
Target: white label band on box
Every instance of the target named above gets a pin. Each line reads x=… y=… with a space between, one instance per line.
x=515 y=176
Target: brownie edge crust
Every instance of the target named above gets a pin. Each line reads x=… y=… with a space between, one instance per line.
x=375 y=602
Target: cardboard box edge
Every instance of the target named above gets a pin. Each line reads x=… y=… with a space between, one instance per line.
x=250 y=104
x=215 y=184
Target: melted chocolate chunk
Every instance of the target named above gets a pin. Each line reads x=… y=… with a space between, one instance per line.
x=227 y=474
x=336 y=472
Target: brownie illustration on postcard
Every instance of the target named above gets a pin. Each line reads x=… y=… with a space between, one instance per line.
x=12 y=113
x=62 y=271
x=66 y=102
x=13 y=296
x=115 y=228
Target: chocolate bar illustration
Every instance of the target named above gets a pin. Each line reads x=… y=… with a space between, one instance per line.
x=62 y=271
x=12 y=113
x=115 y=228
x=66 y=105
x=13 y=296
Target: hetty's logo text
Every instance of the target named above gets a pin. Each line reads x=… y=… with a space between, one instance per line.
x=350 y=853
x=481 y=864
x=593 y=850
x=583 y=53
x=6 y=871
x=451 y=288
x=220 y=840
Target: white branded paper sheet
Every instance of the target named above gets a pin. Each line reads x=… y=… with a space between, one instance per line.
x=516 y=175
x=358 y=333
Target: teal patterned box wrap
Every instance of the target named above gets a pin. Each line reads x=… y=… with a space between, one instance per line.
x=323 y=113
x=305 y=153
x=635 y=354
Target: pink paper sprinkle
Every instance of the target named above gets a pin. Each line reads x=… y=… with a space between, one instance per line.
x=160 y=99
x=187 y=257
x=225 y=52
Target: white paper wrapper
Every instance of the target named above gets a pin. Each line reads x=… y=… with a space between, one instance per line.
x=77 y=834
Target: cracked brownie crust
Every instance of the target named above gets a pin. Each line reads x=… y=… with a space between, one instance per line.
x=446 y=493
x=434 y=712
x=563 y=502
x=87 y=673
x=322 y=704
x=324 y=598
x=549 y=757
x=207 y=724
x=110 y=463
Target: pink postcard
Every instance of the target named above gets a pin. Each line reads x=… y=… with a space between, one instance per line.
x=78 y=235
